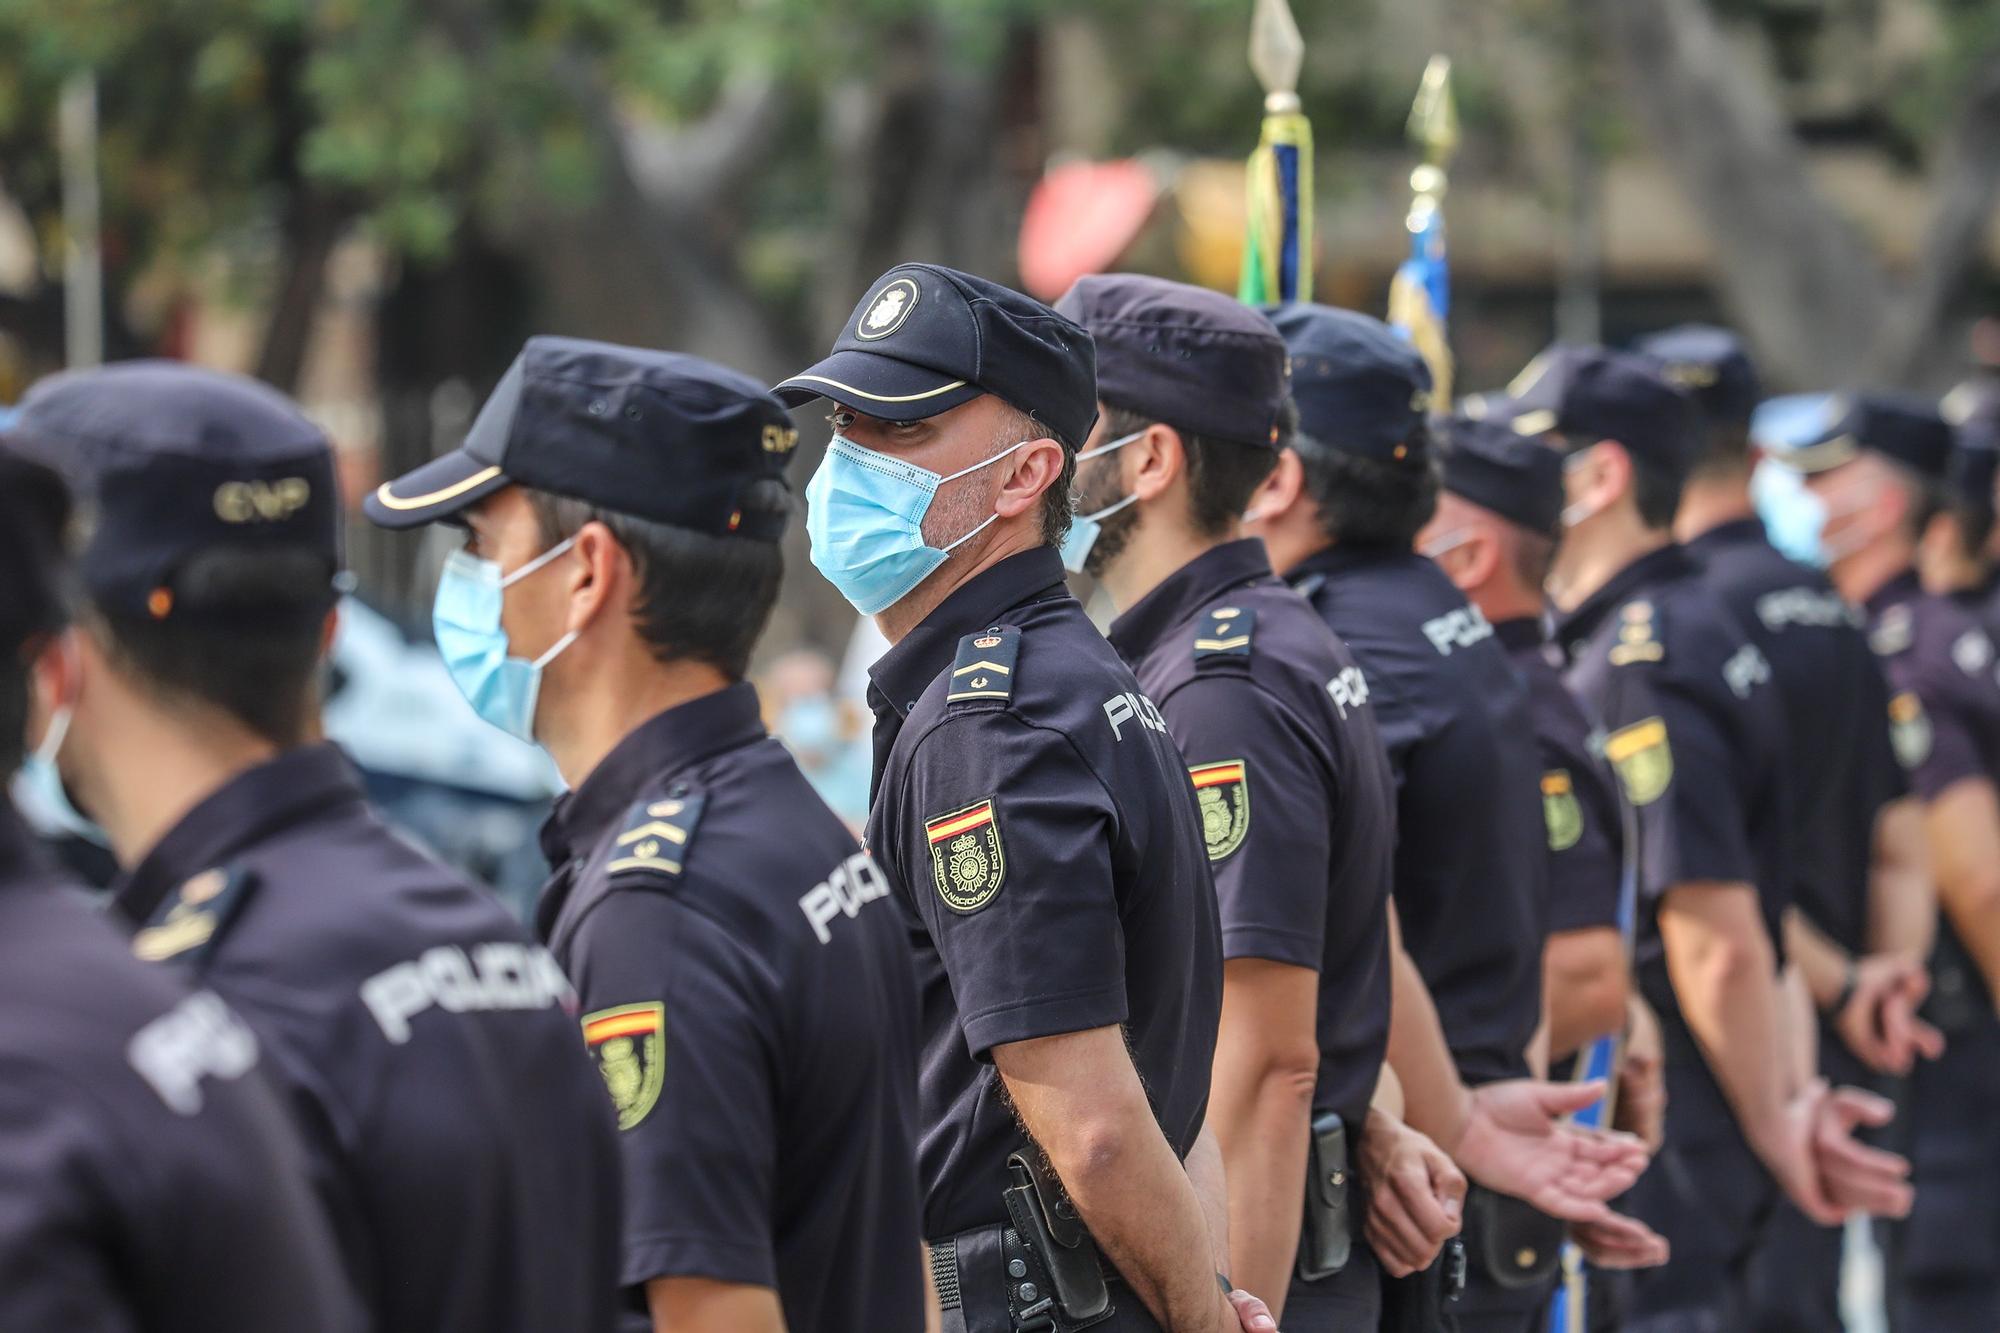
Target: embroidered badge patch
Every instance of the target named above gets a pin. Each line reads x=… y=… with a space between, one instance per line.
x=1561 y=811
x=967 y=860
x=1644 y=762
x=629 y=1044
x=1223 y=791
x=1909 y=729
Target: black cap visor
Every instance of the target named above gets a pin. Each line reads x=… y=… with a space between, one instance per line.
x=437 y=490
x=878 y=386
x=1823 y=456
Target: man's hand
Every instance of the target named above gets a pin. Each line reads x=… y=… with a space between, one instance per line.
x=1822 y=1167
x=1517 y=1142
x=1252 y=1314
x=1642 y=1079
x=1416 y=1197
x=1879 y=1023
x=1620 y=1242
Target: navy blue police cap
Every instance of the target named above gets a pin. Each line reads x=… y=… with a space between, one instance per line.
x=1360 y=388
x=654 y=435
x=34 y=513
x=171 y=461
x=1588 y=394
x=1972 y=410
x=927 y=338
x=1711 y=365
x=1193 y=358
x=1516 y=477
x=1903 y=427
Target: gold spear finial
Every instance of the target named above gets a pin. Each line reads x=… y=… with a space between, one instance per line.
x=1433 y=126
x=1276 y=53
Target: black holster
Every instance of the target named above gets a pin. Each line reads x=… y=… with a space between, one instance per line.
x=1063 y=1287
x=1327 y=1239
x=1511 y=1243
x=1416 y=1304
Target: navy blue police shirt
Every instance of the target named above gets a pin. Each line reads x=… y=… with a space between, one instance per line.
x=1696 y=740
x=1272 y=714
x=1471 y=873
x=1580 y=811
x=749 y=1000
x=1842 y=775
x=1944 y=713
x=1039 y=827
x=460 y=1142
x=149 y=1178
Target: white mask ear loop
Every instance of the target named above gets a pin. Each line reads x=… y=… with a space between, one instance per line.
x=538 y=562
x=1103 y=449
x=991 y=519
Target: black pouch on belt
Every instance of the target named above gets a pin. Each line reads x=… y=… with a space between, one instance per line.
x=1511 y=1243
x=1054 y=1240
x=1328 y=1236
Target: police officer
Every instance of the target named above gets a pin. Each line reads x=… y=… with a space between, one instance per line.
x=148 y=1177
x=1854 y=823
x=1264 y=702
x=1032 y=816
x=1695 y=741
x=1881 y=469
x=460 y=1143
x=1964 y=567
x=1339 y=515
x=621 y=560
x=1494 y=535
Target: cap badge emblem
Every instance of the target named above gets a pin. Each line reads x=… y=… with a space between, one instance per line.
x=889 y=309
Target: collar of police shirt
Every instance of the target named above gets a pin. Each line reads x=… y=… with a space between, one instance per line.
x=298 y=784
x=1336 y=560
x=664 y=745
x=1734 y=532
x=1904 y=587
x=1668 y=562
x=1186 y=592
x=899 y=678
x=1521 y=633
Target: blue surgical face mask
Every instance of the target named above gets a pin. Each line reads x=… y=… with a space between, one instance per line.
x=1084 y=528
x=46 y=799
x=865 y=520
x=466 y=621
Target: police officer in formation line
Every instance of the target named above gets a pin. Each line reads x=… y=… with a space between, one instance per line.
x=1083 y=1038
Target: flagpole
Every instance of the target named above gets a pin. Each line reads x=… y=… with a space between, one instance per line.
x=1420 y=294
x=1277 y=247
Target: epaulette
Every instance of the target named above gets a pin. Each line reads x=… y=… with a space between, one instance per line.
x=1225 y=632
x=1894 y=632
x=1637 y=639
x=984 y=668
x=190 y=921
x=656 y=837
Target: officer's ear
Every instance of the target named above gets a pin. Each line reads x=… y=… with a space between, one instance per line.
x=1034 y=469
x=1157 y=459
x=602 y=568
x=55 y=680
x=1279 y=491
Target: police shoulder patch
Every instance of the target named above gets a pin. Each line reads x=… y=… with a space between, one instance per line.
x=655 y=840
x=1222 y=790
x=968 y=860
x=1225 y=632
x=1893 y=633
x=190 y=922
x=629 y=1044
x=1909 y=729
x=984 y=668
x=1561 y=810
x=1643 y=759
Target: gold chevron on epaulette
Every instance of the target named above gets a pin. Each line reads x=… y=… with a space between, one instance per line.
x=984 y=668
x=1226 y=632
x=1636 y=639
x=656 y=836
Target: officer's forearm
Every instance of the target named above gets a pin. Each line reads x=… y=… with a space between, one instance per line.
x=1260 y=1107
x=1585 y=975
x=703 y=1305
x=1211 y=1186
x=1080 y=1098
x=1724 y=974
x=1801 y=1027
x=1964 y=824
x=1902 y=899
x=1822 y=963
x=1435 y=1100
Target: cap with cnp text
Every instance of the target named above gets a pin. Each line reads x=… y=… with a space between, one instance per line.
x=1515 y=476
x=653 y=435
x=172 y=461
x=1900 y=426
x=1188 y=356
x=1711 y=365
x=1589 y=394
x=1360 y=388
x=926 y=339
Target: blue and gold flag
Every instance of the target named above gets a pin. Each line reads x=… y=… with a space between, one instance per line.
x=1277 y=249
x=1420 y=294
